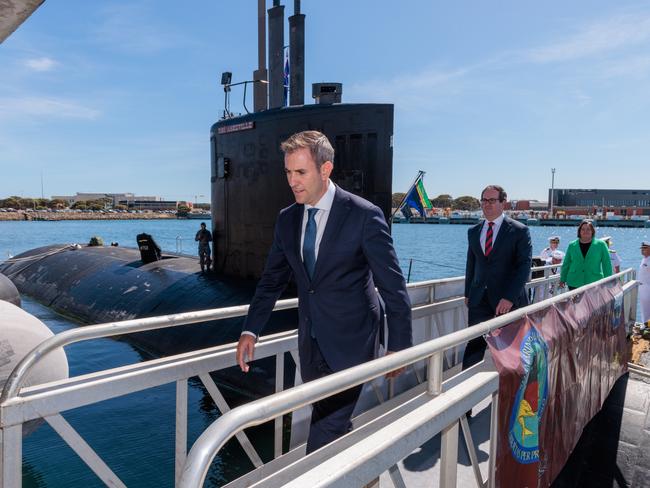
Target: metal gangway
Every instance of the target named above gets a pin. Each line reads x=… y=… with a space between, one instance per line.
x=432 y=398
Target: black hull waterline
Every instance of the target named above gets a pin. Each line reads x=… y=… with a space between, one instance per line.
x=93 y=285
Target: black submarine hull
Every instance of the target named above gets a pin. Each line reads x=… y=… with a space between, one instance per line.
x=98 y=284
x=8 y=291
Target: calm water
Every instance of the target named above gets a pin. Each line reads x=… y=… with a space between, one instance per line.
x=135 y=434
x=439 y=251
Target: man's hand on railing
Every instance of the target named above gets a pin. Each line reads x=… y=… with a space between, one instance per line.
x=245 y=351
x=395 y=373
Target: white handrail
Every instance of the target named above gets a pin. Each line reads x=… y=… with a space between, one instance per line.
x=110 y=329
x=20 y=404
x=265 y=409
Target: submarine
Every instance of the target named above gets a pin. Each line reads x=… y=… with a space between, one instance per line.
x=96 y=284
x=8 y=291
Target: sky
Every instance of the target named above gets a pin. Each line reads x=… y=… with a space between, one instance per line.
x=119 y=96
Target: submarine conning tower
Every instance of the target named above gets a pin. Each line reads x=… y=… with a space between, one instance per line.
x=248 y=184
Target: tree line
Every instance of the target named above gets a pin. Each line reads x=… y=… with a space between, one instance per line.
x=20 y=203
x=445 y=201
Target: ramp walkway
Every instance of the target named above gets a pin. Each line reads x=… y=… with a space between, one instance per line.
x=397 y=421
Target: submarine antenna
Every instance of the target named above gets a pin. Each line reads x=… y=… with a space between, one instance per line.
x=260 y=91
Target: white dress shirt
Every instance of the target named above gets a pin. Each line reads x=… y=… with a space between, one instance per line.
x=495 y=230
x=324 y=207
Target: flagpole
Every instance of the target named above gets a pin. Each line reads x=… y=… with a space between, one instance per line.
x=415 y=182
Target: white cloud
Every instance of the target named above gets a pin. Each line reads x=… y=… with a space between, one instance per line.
x=132 y=28
x=41 y=64
x=599 y=37
x=45 y=107
x=633 y=66
x=411 y=91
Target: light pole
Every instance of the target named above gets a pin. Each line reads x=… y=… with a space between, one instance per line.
x=552 y=189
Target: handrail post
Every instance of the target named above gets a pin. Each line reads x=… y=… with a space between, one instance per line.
x=11 y=453
x=279 y=386
x=449 y=456
x=434 y=378
x=494 y=433
x=181 y=429
x=631 y=275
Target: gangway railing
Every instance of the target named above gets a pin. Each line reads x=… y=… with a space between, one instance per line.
x=269 y=408
x=111 y=329
x=364 y=469
x=438 y=309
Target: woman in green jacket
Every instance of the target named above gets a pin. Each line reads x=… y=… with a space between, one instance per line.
x=587 y=259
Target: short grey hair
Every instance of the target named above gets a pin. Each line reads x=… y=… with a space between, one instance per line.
x=319 y=146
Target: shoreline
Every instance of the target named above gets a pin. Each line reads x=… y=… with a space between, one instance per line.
x=60 y=216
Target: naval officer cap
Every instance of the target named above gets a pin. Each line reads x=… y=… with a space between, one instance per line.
x=557 y=255
x=554 y=239
x=645 y=244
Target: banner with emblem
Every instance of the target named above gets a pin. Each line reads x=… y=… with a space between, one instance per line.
x=556 y=368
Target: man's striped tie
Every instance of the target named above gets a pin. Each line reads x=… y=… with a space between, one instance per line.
x=488 y=239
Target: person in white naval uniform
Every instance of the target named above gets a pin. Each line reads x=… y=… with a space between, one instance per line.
x=613 y=255
x=547 y=253
x=644 y=278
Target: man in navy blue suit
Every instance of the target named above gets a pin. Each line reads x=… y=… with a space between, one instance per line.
x=338 y=248
x=499 y=258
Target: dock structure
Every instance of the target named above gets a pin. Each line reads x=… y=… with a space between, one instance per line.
x=406 y=430
x=624 y=223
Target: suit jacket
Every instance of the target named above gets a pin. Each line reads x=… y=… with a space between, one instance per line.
x=340 y=305
x=503 y=274
x=578 y=270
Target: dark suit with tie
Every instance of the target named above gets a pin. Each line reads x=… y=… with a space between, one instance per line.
x=501 y=274
x=339 y=311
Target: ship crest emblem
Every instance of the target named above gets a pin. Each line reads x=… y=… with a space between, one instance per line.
x=528 y=408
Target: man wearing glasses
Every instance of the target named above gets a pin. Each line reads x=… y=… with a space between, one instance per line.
x=499 y=258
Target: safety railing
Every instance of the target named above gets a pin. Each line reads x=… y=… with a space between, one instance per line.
x=545 y=286
x=263 y=410
x=438 y=309
x=269 y=408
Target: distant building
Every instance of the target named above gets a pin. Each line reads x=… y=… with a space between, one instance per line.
x=518 y=205
x=608 y=198
x=623 y=202
x=140 y=204
x=537 y=206
x=525 y=205
x=116 y=198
